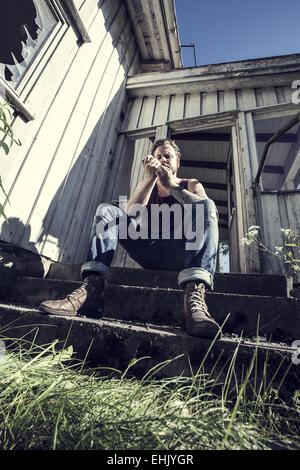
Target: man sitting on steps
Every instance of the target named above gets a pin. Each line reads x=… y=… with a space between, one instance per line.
x=186 y=242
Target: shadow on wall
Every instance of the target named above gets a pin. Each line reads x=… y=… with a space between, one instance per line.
x=10 y=225
x=18 y=261
x=102 y=170
x=93 y=172
x=100 y=173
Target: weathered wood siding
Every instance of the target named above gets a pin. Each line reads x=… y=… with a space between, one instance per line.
x=72 y=154
x=279 y=211
x=157 y=110
x=149 y=111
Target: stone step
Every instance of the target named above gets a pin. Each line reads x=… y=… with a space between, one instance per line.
x=234 y=283
x=165 y=351
x=15 y=260
x=273 y=317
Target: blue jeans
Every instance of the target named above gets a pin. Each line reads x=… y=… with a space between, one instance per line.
x=193 y=254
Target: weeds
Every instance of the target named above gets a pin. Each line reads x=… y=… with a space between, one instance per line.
x=6 y=134
x=49 y=402
x=288 y=253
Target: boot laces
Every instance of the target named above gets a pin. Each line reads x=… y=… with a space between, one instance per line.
x=196 y=301
x=80 y=289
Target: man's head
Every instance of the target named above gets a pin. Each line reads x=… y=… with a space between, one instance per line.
x=167 y=152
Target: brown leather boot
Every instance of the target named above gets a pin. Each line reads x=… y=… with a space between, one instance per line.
x=88 y=299
x=197 y=320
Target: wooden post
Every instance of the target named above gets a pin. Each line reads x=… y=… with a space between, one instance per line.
x=239 y=259
x=248 y=164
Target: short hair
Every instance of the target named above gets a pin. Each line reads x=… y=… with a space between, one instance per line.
x=160 y=142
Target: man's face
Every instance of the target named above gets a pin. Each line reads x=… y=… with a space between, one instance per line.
x=166 y=155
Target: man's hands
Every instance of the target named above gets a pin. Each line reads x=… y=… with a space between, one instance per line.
x=166 y=177
x=150 y=165
x=154 y=169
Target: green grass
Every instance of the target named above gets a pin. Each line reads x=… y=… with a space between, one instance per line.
x=49 y=402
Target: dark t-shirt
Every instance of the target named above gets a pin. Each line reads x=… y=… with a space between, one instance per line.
x=158 y=223
x=170 y=200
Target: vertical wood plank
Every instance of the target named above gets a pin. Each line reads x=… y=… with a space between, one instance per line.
x=288 y=91
x=176 y=107
x=269 y=96
x=279 y=94
x=147 y=113
x=258 y=97
x=249 y=212
x=237 y=230
x=210 y=102
x=192 y=105
x=252 y=144
x=248 y=98
x=230 y=100
x=271 y=233
x=161 y=110
x=239 y=99
x=220 y=99
x=135 y=113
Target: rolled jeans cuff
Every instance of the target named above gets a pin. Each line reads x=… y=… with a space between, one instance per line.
x=95 y=267
x=195 y=274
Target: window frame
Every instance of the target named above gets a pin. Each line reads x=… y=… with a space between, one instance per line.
x=67 y=16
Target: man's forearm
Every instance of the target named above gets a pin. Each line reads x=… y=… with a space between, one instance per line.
x=183 y=196
x=142 y=194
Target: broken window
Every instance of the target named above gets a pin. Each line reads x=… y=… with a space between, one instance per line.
x=25 y=25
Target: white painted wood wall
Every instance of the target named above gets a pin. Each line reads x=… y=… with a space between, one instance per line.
x=149 y=111
x=157 y=110
x=72 y=156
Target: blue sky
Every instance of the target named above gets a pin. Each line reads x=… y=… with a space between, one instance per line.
x=230 y=30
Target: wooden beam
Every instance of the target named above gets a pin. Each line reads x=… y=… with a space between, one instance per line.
x=274 y=169
x=220 y=203
x=219 y=186
x=225 y=137
x=203 y=136
x=285 y=138
x=203 y=164
x=75 y=20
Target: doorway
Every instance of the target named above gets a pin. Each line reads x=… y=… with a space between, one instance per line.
x=207 y=156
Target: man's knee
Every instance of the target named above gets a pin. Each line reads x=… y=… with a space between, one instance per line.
x=206 y=208
x=106 y=211
x=211 y=210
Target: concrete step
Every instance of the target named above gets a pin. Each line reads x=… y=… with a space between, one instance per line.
x=234 y=283
x=274 y=317
x=16 y=260
x=165 y=351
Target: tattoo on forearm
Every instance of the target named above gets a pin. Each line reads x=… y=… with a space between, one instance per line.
x=186 y=197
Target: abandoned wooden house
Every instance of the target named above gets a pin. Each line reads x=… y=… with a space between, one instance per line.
x=94 y=82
